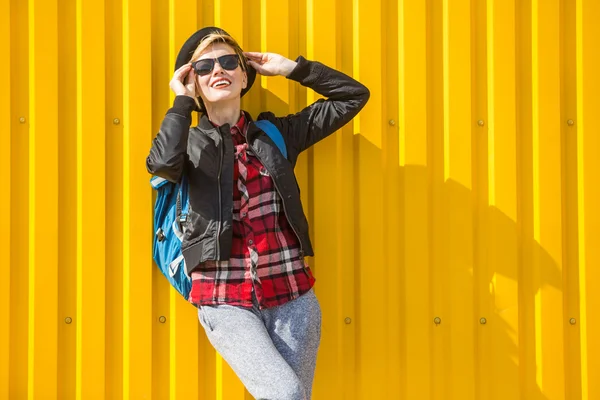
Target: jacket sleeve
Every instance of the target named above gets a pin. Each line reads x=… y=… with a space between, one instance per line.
x=344 y=98
x=169 y=149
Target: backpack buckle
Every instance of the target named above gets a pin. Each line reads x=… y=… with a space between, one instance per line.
x=160 y=234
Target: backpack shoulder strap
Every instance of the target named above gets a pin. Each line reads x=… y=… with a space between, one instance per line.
x=158 y=182
x=271 y=130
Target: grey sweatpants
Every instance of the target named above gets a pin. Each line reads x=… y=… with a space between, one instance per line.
x=273 y=351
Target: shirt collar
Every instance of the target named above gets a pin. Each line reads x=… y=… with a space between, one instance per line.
x=241 y=124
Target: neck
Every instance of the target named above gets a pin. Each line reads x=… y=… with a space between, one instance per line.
x=224 y=113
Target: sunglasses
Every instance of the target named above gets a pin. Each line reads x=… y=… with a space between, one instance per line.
x=205 y=66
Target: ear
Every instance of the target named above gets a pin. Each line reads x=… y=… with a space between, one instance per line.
x=245 y=81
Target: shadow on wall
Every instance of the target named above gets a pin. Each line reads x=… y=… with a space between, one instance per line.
x=505 y=361
x=501 y=368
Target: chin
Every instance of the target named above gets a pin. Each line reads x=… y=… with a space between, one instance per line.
x=224 y=97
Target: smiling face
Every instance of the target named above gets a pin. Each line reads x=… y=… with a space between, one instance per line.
x=220 y=86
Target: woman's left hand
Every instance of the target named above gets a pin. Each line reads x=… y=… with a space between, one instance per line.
x=270 y=64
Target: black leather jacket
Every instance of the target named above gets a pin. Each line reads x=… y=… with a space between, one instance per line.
x=206 y=155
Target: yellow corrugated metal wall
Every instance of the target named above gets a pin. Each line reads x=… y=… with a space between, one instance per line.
x=455 y=221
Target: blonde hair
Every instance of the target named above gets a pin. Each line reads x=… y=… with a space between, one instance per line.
x=212 y=38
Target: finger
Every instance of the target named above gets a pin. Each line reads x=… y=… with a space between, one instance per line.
x=183 y=67
x=179 y=73
x=183 y=77
x=255 y=56
x=190 y=77
x=255 y=65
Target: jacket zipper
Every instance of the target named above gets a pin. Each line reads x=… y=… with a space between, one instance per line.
x=220 y=211
x=282 y=201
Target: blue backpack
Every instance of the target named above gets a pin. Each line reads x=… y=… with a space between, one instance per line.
x=170 y=214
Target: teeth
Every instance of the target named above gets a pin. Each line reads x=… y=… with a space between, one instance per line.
x=222 y=83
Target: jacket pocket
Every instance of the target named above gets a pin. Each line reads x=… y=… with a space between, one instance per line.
x=196 y=229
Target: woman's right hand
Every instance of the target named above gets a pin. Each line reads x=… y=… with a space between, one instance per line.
x=183 y=82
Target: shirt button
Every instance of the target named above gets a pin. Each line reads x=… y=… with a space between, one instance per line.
x=250 y=242
x=244 y=214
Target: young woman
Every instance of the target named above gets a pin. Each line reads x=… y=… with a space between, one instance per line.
x=246 y=234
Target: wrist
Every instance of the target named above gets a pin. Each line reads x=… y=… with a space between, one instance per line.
x=183 y=105
x=288 y=67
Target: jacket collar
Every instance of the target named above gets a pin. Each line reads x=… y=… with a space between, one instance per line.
x=206 y=126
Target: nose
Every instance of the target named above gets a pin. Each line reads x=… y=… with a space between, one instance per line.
x=217 y=68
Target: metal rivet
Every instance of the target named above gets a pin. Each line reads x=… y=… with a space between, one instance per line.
x=22 y=120
x=162 y=319
x=570 y=122
x=437 y=320
x=68 y=320
x=483 y=321
x=116 y=121
x=348 y=320
x=572 y=321
x=392 y=122
x=480 y=122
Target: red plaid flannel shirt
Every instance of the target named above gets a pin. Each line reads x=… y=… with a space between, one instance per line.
x=265 y=252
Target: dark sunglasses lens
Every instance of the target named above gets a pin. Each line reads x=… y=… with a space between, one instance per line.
x=203 y=67
x=229 y=62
